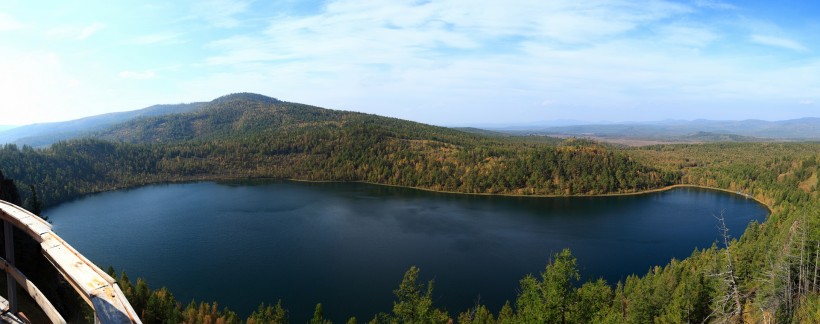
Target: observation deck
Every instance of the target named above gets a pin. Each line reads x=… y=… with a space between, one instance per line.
x=96 y=287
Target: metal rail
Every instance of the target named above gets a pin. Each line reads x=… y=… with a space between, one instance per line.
x=95 y=286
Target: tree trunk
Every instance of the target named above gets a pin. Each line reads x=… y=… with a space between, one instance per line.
x=816 y=259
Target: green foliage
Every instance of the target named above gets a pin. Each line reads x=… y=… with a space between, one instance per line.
x=269 y=314
x=506 y=314
x=478 y=315
x=160 y=306
x=247 y=136
x=208 y=313
x=319 y=316
x=549 y=299
x=33 y=203
x=810 y=310
x=592 y=302
x=414 y=303
x=8 y=190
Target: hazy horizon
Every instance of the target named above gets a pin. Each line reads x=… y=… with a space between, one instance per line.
x=488 y=124
x=443 y=63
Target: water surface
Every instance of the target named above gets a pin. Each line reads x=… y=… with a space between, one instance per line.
x=347 y=245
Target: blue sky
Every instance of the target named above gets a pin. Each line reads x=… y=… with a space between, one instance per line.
x=448 y=62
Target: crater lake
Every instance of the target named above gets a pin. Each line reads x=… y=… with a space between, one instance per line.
x=347 y=245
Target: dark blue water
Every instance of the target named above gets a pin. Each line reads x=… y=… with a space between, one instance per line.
x=347 y=245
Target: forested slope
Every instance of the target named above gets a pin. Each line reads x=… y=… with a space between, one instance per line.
x=40 y=135
x=770 y=274
x=248 y=135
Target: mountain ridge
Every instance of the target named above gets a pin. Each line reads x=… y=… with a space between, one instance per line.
x=249 y=114
x=44 y=134
x=253 y=136
x=697 y=130
x=805 y=128
x=360 y=147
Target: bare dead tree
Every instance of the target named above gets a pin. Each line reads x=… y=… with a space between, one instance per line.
x=790 y=277
x=770 y=300
x=803 y=272
x=732 y=300
x=816 y=259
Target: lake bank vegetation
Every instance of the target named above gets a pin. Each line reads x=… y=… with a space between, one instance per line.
x=770 y=274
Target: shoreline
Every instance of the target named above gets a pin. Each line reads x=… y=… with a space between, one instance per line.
x=636 y=193
x=218 y=179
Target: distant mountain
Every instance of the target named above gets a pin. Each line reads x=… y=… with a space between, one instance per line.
x=6 y=127
x=717 y=137
x=481 y=131
x=47 y=133
x=247 y=115
x=247 y=135
x=695 y=130
x=527 y=125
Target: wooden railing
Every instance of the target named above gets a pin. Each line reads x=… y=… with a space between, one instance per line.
x=95 y=286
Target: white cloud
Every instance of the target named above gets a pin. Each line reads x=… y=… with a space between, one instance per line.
x=453 y=56
x=8 y=23
x=220 y=13
x=715 y=4
x=437 y=61
x=408 y=33
x=89 y=30
x=138 y=75
x=778 y=42
x=806 y=102
x=687 y=35
x=75 y=32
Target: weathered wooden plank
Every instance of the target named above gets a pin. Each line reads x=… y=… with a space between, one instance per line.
x=73 y=268
x=31 y=224
x=91 y=283
x=4 y=305
x=33 y=291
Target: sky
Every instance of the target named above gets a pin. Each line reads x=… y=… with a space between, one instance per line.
x=444 y=62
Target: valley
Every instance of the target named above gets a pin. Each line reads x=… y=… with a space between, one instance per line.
x=244 y=137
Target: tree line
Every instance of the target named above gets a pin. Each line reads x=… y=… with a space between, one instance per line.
x=770 y=274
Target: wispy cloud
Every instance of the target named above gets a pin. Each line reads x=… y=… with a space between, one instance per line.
x=404 y=32
x=688 y=35
x=75 y=32
x=8 y=22
x=778 y=42
x=588 y=55
x=89 y=30
x=715 y=4
x=220 y=13
x=435 y=61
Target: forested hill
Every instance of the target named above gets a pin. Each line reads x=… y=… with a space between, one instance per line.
x=45 y=134
x=249 y=136
x=242 y=115
x=770 y=274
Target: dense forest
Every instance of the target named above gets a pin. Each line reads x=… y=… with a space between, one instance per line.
x=251 y=136
x=768 y=275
